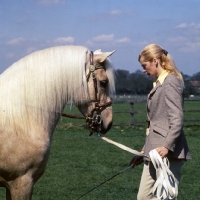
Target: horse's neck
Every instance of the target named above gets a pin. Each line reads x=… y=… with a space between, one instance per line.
x=52 y=118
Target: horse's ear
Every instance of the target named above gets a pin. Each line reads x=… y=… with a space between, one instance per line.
x=98 y=51
x=102 y=57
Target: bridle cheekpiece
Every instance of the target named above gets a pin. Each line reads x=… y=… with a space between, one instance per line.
x=93 y=119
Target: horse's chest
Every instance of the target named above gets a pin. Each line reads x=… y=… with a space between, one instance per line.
x=20 y=154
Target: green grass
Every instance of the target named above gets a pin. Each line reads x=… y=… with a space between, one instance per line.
x=78 y=162
x=83 y=162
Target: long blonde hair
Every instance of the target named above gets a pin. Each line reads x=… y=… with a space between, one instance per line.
x=166 y=61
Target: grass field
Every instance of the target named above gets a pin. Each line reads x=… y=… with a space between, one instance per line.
x=78 y=162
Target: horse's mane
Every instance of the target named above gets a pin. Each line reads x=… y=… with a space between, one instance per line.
x=40 y=84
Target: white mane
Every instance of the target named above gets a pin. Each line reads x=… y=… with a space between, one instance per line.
x=38 y=86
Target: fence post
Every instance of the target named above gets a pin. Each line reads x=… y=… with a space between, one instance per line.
x=131 y=113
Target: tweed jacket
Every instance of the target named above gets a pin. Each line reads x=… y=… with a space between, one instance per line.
x=165 y=116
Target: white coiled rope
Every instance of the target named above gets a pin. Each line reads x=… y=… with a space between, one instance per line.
x=165 y=186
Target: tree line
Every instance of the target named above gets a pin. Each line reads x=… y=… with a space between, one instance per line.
x=141 y=84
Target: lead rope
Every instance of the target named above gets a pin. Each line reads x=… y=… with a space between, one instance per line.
x=122 y=147
x=165 y=186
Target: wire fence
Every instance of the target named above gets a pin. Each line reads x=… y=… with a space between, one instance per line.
x=138 y=117
x=132 y=111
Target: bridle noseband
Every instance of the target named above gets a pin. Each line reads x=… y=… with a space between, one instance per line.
x=93 y=119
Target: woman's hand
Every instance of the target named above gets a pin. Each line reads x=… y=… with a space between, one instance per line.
x=136 y=160
x=162 y=151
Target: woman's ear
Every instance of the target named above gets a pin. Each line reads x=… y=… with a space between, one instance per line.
x=155 y=61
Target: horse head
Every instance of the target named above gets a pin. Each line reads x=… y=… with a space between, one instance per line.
x=100 y=80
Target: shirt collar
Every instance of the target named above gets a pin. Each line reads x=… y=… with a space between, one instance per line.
x=161 y=78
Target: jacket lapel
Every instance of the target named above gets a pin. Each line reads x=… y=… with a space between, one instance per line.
x=150 y=96
x=153 y=91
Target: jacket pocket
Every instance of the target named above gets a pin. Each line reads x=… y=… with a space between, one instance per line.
x=158 y=135
x=160 y=130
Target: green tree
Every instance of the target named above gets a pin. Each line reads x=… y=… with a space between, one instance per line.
x=140 y=83
x=121 y=83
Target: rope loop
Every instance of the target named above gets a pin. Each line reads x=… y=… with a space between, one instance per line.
x=165 y=186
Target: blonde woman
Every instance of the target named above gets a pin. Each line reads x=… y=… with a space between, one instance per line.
x=165 y=118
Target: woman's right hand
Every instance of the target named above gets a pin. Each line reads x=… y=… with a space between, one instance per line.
x=136 y=160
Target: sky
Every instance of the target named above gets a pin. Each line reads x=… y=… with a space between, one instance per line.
x=125 y=26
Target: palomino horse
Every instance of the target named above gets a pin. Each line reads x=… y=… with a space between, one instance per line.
x=34 y=92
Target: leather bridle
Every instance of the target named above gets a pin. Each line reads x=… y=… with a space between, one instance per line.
x=93 y=119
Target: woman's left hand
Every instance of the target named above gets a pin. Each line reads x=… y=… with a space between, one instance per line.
x=162 y=151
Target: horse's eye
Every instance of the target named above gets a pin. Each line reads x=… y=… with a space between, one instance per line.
x=103 y=83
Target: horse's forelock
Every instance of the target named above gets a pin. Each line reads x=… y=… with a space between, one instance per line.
x=111 y=76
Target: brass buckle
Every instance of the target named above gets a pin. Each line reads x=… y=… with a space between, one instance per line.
x=92 y=68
